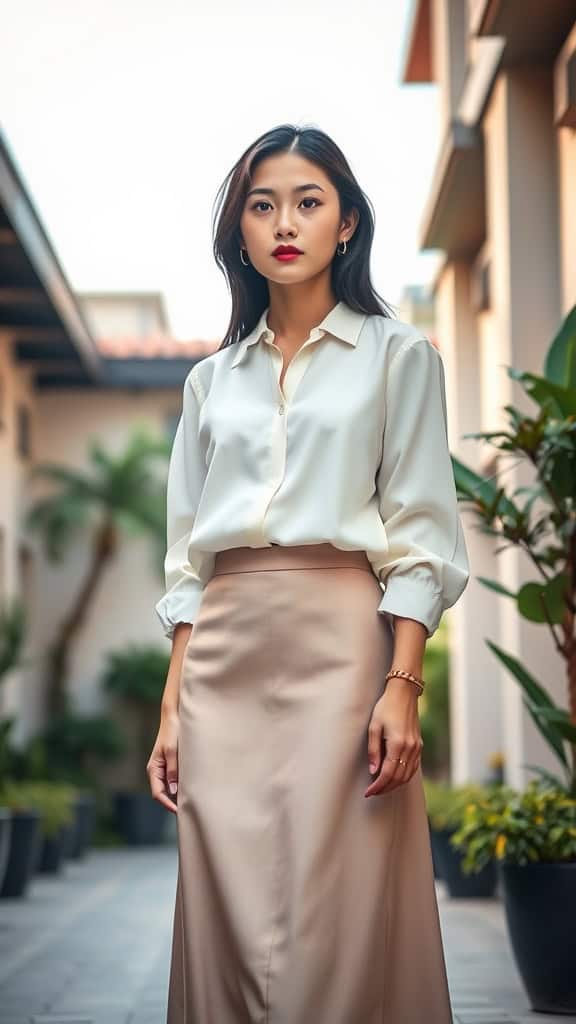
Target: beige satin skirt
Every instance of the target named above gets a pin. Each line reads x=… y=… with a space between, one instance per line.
x=298 y=900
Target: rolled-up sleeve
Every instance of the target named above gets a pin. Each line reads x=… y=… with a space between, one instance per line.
x=186 y=571
x=426 y=567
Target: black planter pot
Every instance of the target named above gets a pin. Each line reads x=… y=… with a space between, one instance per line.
x=481 y=885
x=140 y=819
x=539 y=901
x=68 y=838
x=25 y=841
x=85 y=808
x=51 y=853
x=5 y=834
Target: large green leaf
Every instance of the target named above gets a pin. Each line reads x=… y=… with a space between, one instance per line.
x=537 y=695
x=560 y=362
x=472 y=485
x=561 y=720
x=549 y=777
x=552 y=593
x=499 y=588
x=561 y=400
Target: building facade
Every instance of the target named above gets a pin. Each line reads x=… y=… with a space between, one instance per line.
x=502 y=211
x=73 y=369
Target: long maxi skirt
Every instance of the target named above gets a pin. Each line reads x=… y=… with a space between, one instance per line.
x=298 y=900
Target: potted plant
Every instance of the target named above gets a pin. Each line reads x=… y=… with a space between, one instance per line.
x=135 y=676
x=52 y=804
x=12 y=637
x=55 y=801
x=25 y=840
x=445 y=805
x=531 y=835
x=71 y=749
x=5 y=839
x=540 y=520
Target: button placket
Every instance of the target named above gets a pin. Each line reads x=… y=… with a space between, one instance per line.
x=293 y=369
x=284 y=397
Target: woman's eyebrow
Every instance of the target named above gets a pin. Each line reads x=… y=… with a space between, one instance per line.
x=272 y=192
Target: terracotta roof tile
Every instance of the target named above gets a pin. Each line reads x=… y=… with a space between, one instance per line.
x=154 y=346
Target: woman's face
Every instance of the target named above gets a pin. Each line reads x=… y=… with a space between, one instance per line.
x=292 y=202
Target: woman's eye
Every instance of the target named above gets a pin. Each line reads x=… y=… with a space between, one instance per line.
x=309 y=199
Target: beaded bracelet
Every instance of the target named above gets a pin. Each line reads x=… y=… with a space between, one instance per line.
x=406 y=675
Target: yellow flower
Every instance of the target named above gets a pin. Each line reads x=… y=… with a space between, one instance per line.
x=496 y=760
x=500 y=846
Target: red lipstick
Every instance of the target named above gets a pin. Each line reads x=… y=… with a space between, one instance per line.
x=286 y=252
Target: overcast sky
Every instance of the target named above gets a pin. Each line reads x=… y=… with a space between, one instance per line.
x=124 y=116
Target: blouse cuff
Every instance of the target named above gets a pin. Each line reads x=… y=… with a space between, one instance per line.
x=412 y=598
x=179 y=605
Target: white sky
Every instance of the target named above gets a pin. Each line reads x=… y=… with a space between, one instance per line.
x=124 y=116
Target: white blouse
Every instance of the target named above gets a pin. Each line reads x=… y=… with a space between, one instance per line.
x=352 y=450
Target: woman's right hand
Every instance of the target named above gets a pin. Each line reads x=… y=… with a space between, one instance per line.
x=162 y=767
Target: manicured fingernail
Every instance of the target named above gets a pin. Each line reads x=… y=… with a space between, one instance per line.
x=173 y=787
x=372 y=767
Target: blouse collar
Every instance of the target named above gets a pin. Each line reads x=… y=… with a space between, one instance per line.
x=342 y=322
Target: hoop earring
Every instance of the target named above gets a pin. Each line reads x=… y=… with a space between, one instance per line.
x=242 y=258
x=343 y=250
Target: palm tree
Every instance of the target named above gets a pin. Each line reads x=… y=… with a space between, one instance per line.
x=116 y=495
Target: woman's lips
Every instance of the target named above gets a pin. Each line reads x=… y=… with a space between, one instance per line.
x=286 y=256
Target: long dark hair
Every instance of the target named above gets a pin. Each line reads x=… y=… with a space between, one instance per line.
x=350 y=273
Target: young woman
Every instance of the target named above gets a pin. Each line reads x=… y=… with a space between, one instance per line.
x=313 y=543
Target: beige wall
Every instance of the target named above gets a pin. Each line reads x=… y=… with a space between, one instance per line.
x=530 y=246
x=123 y=314
x=19 y=562
x=64 y=422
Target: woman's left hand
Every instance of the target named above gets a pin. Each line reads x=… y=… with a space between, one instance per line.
x=394 y=725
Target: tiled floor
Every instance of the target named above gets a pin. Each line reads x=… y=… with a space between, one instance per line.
x=91 y=946
x=484 y=983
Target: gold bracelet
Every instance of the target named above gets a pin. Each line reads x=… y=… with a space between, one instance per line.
x=406 y=675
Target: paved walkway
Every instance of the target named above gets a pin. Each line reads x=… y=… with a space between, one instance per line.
x=91 y=946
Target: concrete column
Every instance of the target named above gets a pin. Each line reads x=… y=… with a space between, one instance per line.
x=522 y=228
x=566 y=143
x=474 y=693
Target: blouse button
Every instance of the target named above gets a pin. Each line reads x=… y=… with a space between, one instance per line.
x=280 y=410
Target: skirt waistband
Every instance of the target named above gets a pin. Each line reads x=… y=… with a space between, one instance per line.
x=297 y=556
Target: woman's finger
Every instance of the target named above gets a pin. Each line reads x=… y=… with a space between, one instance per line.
x=374 y=745
x=171 y=755
x=389 y=768
x=411 y=755
x=156 y=769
